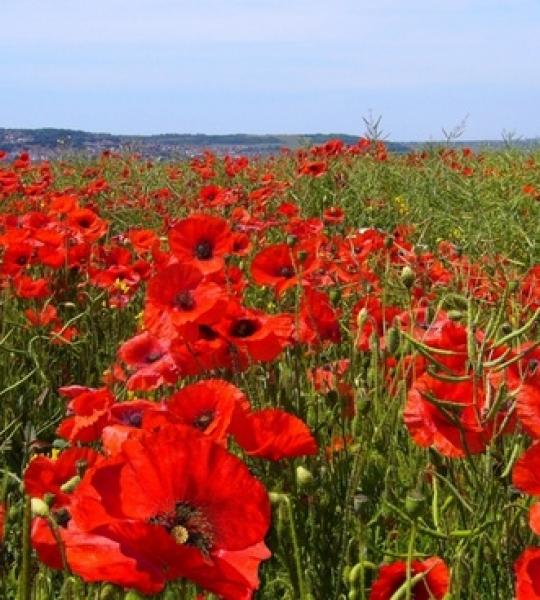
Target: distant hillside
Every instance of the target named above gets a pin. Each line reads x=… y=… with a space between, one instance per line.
x=49 y=142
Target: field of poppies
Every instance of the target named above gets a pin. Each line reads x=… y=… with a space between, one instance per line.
x=314 y=376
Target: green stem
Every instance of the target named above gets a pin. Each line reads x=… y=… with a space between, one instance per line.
x=25 y=574
x=296 y=551
x=410 y=550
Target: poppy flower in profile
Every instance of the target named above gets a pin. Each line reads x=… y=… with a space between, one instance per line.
x=273 y=434
x=318 y=319
x=534 y=518
x=526 y=471
x=88 y=413
x=56 y=478
x=201 y=240
x=187 y=499
x=434 y=586
x=453 y=428
x=333 y=215
x=313 y=168
x=527 y=571
x=47 y=475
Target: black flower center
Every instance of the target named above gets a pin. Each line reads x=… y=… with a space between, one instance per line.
x=207 y=333
x=84 y=223
x=203 y=420
x=187 y=525
x=153 y=357
x=287 y=271
x=204 y=250
x=184 y=300
x=132 y=418
x=61 y=516
x=22 y=260
x=244 y=328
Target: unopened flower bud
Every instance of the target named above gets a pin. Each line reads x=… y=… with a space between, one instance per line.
x=506 y=328
x=291 y=240
x=455 y=315
x=393 y=339
x=407 y=277
x=276 y=498
x=361 y=318
x=70 y=485
x=414 y=503
x=513 y=286
x=108 y=592
x=39 y=508
x=304 y=478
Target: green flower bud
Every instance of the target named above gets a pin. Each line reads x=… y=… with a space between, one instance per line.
x=39 y=508
x=414 y=503
x=304 y=478
x=393 y=339
x=455 y=315
x=407 y=277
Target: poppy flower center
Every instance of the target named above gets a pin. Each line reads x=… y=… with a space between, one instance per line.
x=244 y=328
x=203 y=250
x=22 y=260
x=287 y=271
x=184 y=300
x=203 y=420
x=207 y=333
x=153 y=357
x=134 y=419
x=84 y=223
x=187 y=525
x=61 y=516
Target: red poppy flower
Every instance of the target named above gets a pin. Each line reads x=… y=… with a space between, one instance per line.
x=255 y=334
x=208 y=406
x=333 y=214
x=273 y=434
x=281 y=267
x=177 y=295
x=91 y=413
x=318 y=319
x=534 y=518
x=185 y=498
x=47 y=475
x=527 y=570
x=16 y=258
x=86 y=224
x=453 y=433
x=434 y=586
x=313 y=168
x=526 y=471
x=202 y=240
x=151 y=361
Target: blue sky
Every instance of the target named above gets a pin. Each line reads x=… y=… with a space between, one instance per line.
x=272 y=66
